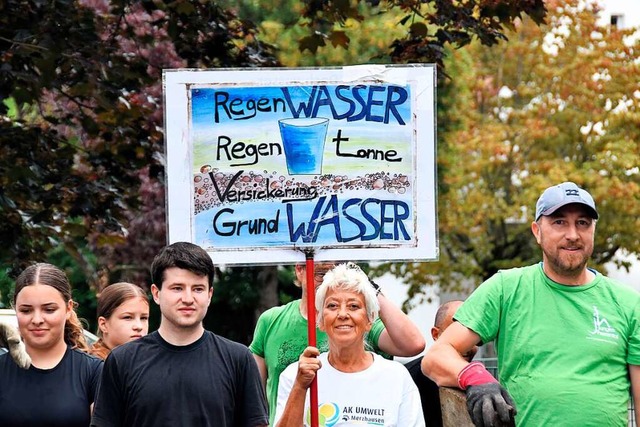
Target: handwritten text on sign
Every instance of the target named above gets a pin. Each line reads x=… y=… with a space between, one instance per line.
x=325 y=165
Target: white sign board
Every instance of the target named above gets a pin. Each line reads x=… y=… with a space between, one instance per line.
x=263 y=164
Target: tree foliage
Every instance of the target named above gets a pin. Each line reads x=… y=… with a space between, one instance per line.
x=82 y=144
x=81 y=118
x=398 y=31
x=430 y=25
x=560 y=102
x=81 y=126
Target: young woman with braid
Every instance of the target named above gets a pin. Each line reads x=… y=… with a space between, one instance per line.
x=58 y=388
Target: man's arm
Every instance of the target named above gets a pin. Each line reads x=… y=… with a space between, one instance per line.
x=401 y=337
x=488 y=403
x=251 y=397
x=262 y=368
x=634 y=374
x=443 y=361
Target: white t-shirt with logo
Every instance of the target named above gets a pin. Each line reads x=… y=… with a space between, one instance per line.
x=382 y=395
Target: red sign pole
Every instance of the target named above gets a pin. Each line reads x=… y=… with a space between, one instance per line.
x=311 y=330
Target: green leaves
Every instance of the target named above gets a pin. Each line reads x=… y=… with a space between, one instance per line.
x=428 y=26
x=84 y=135
x=81 y=140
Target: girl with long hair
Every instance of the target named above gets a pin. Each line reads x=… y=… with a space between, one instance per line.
x=123 y=316
x=59 y=387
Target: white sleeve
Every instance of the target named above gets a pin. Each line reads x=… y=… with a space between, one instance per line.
x=285 y=383
x=410 y=412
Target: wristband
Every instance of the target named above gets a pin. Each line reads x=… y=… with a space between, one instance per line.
x=474 y=374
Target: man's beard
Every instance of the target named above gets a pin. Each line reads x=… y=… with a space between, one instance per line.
x=568 y=265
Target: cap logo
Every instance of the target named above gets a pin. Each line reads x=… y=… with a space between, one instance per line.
x=571 y=192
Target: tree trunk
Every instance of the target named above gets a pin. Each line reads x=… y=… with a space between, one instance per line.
x=268 y=288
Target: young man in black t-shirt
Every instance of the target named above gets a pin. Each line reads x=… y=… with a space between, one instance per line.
x=181 y=375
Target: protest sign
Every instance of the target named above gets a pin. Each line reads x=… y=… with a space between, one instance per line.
x=262 y=162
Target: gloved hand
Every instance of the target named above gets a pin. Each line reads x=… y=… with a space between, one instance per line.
x=10 y=339
x=488 y=403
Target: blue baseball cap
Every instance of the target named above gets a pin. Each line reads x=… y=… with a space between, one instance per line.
x=561 y=195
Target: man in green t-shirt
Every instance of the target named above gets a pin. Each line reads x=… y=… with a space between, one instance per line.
x=567 y=337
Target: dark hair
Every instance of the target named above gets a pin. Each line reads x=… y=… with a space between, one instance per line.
x=184 y=255
x=50 y=275
x=112 y=297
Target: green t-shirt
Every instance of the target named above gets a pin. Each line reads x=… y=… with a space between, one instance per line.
x=563 y=351
x=280 y=338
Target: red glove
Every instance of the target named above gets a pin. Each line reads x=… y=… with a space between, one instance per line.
x=474 y=374
x=488 y=403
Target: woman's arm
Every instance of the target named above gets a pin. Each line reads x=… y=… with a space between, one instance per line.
x=293 y=414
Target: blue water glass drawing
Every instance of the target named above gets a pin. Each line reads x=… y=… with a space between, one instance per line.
x=303 y=141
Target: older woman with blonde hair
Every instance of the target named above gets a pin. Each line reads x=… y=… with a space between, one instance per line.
x=354 y=384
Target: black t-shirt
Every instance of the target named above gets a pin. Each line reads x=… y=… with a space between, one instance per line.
x=57 y=397
x=211 y=382
x=429 y=394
